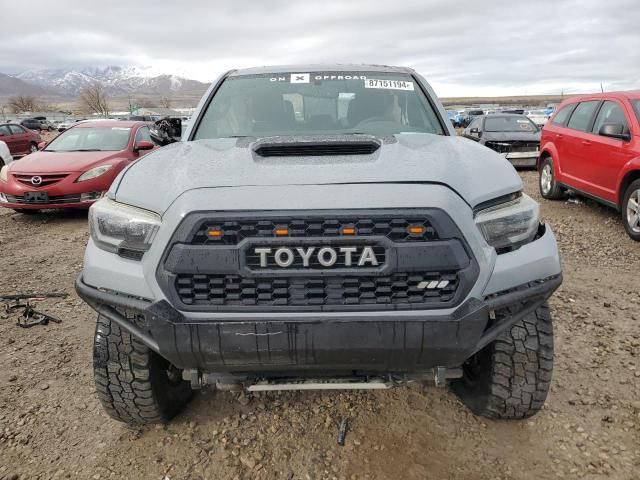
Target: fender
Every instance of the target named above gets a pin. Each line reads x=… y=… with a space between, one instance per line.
x=549 y=148
x=631 y=166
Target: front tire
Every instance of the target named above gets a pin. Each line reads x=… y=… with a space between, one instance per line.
x=510 y=378
x=134 y=384
x=33 y=147
x=630 y=210
x=549 y=188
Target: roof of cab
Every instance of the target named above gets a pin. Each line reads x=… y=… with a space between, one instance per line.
x=336 y=67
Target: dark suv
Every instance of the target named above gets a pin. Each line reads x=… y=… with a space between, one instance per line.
x=37 y=124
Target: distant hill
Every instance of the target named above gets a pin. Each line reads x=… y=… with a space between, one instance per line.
x=117 y=80
x=10 y=86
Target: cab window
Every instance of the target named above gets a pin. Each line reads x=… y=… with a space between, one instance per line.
x=610 y=112
x=582 y=115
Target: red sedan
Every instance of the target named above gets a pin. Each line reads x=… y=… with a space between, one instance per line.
x=20 y=140
x=74 y=169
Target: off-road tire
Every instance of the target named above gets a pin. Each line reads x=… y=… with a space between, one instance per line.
x=510 y=378
x=632 y=230
x=554 y=192
x=134 y=384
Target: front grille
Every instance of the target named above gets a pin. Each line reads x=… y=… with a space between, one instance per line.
x=234 y=231
x=47 y=180
x=513 y=147
x=410 y=289
x=62 y=199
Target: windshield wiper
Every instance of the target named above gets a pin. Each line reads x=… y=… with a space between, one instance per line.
x=87 y=150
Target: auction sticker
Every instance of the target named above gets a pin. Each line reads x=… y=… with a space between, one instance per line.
x=388 y=84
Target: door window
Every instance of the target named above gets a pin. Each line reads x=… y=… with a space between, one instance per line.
x=16 y=130
x=610 y=112
x=582 y=115
x=5 y=129
x=563 y=114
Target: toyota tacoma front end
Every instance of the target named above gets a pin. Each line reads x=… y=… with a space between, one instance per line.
x=320 y=227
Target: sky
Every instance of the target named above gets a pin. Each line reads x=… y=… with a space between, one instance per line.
x=463 y=48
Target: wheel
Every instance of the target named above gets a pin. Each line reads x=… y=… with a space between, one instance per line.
x=549 y=189
x=630 y=210
x=33 y=147
x=26 y=211
x=134 y=384
x=510 y=378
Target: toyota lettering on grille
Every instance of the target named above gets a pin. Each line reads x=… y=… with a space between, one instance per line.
x=347 y=256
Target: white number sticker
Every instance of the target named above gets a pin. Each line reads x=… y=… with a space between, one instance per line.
x=388 y=84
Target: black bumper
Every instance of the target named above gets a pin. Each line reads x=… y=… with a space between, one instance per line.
x=346 y=343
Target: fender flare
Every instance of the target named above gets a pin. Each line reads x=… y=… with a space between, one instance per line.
x=630 y=167
x=550 y=149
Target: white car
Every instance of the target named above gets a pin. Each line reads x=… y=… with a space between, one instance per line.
x=5 y=155
x=539 y=117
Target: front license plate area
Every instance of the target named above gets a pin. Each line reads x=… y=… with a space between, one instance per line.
x=36 y=197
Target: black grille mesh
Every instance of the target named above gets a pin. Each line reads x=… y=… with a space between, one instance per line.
x=395 y=289
x=234 y=231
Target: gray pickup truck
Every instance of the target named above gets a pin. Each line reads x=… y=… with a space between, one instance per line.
x=320 y=227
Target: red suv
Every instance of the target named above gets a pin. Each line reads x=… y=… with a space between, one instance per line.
x=20 y=140
x=592 y=146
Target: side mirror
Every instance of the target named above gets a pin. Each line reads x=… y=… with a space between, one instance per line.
x=42 y=145
x=614 y=130
x=143 y=145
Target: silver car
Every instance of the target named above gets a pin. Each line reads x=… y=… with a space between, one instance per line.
x=319 y=227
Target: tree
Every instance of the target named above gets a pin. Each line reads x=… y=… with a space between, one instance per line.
x=165 y=101
x=94 y=99
x=22 y=103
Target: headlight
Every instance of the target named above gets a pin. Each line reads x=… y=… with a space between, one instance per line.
x=3 y=173
x=509 y=224
x=115 y=226
x=93 y=173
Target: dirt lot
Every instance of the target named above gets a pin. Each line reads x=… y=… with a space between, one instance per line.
x=51 y=425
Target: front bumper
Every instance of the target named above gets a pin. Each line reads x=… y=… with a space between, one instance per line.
x=313 y=343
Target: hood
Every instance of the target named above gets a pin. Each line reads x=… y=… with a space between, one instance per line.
x=511 y=136
x=54 y=162
x=475 y=172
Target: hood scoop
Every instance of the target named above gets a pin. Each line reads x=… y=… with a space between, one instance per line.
x=316 y=148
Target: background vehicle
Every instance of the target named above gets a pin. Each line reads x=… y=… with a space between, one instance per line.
x=20 y=140
x=75 y=168
x=469 y=115
x=514 y=136
x=592 y=147
x=36 y=124
x=296 y=247
x=62 y=126
x=5 y=155
x=539 y=117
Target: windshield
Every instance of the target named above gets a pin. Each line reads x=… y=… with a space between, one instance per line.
x=509 y=124
x=318 y=104
x=80 y=139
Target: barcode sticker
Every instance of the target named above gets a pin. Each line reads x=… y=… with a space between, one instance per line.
x=388 y=84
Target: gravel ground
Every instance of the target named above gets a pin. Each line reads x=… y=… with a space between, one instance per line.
x=51 y=425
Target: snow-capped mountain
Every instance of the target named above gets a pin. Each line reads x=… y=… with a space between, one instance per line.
x=117 y=80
